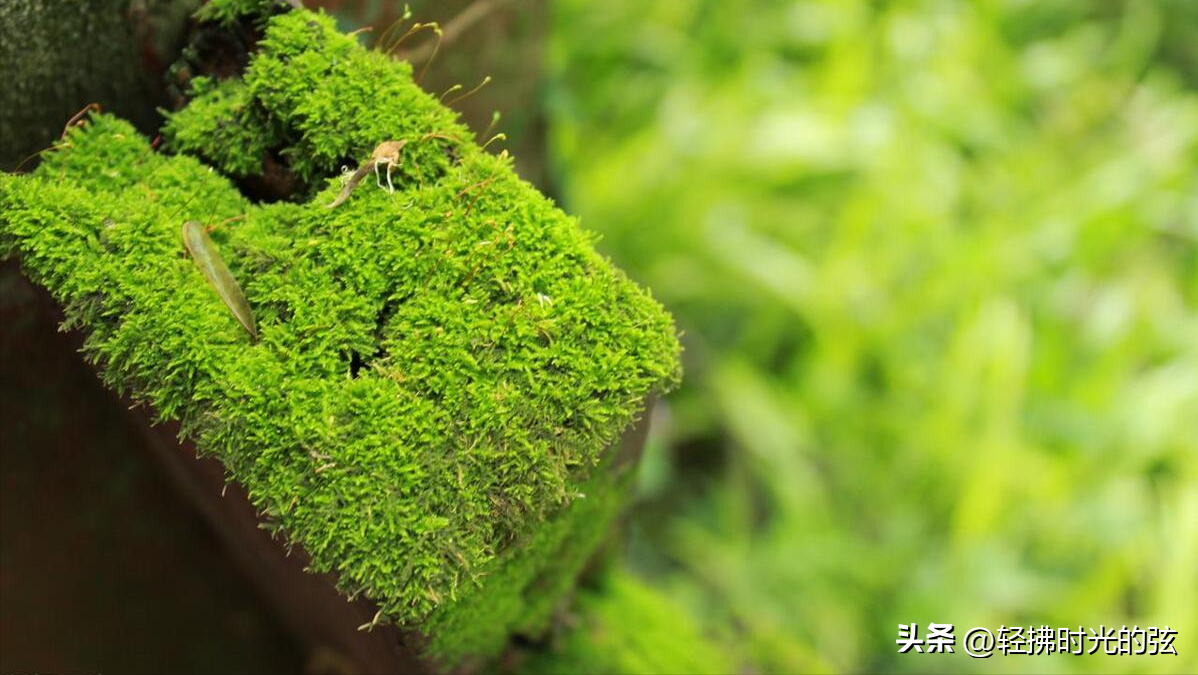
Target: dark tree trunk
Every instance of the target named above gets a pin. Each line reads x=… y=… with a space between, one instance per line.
x=58 y=57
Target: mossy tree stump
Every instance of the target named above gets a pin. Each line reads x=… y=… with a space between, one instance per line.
x=441 y=373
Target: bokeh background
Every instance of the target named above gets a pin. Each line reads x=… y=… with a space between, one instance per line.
x=935 y=264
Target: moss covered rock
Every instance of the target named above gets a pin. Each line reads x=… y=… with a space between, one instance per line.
x=439 y=369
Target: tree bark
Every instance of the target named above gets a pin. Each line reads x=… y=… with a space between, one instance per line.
x=58 y=57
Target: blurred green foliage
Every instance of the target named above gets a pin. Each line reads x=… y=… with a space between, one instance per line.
x=936 y=264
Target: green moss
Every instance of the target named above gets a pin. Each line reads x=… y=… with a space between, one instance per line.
x=621 y=625
x=438 y=370
x=323 y=102
x=229 y=11
x=524 y=585
x=224 y=126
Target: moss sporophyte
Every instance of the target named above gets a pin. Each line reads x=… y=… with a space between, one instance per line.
x=440 y=367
